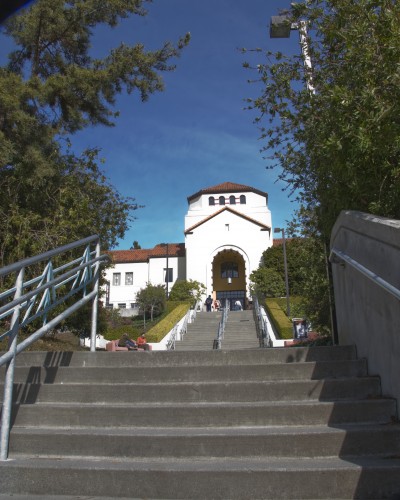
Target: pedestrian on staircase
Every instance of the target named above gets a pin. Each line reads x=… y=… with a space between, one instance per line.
x=208 y=303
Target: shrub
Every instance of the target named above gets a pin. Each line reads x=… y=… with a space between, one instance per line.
x=281 y=322
x=165 y=325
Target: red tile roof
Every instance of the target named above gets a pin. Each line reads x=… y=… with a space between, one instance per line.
x=254 y=221
x=143 y=255
x=226 y=187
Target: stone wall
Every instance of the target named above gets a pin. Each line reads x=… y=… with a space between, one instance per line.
x=367 y=314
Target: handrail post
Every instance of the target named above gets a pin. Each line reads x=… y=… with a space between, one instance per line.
x=9 y=377
x=95 y=305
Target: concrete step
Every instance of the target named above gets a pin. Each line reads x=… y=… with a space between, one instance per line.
x=232 y=391
x=279 y=441
x=277 y=371
x=172 y=358
x=211 y=478
x=198 y=414
x=256 y=423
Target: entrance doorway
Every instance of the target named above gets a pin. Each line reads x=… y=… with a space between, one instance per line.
x=232 y=298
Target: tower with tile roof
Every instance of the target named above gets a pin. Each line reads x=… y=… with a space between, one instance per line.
x=227 y=228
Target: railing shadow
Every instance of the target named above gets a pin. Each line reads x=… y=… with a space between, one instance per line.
x=28 y=391
x=369 y=430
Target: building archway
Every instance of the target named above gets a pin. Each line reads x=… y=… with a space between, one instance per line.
x=229 y=280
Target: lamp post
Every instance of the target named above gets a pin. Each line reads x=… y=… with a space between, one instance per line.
x=281 y=230
x=166 y=271
x=281 y=27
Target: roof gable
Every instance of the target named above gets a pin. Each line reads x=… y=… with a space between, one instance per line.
x=263 y=227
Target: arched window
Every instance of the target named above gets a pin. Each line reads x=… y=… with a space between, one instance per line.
x=229 y=270
x=232 y=200
x=242 y=199
x=222 y=200
x=211 y=200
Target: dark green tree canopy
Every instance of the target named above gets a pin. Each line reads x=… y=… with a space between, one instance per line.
x=338 y=147
x=51 y=88
x=184 y=290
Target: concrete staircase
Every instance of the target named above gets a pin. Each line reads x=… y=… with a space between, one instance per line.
x=201 y=333
x=240 y=331
x=289 y=423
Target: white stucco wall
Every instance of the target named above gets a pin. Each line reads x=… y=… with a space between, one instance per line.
x=255 y=207
x=143 y=273
x=224 y=231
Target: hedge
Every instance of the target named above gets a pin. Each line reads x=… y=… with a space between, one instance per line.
x=281 y=322
x=160 y=330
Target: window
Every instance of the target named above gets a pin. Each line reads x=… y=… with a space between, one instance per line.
x=128 y=278
x=168 y=275
x=222 y=200
x=242 y=199
x=122 y=305
x=116 y=279
x=232 y=200
x=211 y=200
x=229 y=270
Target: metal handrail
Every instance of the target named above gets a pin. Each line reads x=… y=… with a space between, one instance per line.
x=221 y=327
x=339 y=257
x=35 y=298
x=262 y=327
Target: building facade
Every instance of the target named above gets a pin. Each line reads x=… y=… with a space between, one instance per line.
x=227 y=228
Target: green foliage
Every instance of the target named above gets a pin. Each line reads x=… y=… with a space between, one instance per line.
x=51 y=88
x=267 y=282
x=296 y=267
x=116 y=332
x=151 y=299
x=80 y=322
x=184 y=290
x=338 y=147
x=159 y=331
x=279 y=319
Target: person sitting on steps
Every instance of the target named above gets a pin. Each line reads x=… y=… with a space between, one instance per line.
x=125 y=341
x=142 y=342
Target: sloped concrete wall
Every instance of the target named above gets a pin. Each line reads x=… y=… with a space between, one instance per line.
x=367 y=315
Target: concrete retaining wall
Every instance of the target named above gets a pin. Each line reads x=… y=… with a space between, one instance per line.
x=369 y=316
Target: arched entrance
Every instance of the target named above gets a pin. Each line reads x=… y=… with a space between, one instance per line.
x=229 y=278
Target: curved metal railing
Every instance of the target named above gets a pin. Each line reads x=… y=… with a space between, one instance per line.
x=38 y=297
x=339 y=257
x=262 y=327
x=221 y=327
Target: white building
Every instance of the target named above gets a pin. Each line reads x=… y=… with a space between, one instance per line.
x=227 y=228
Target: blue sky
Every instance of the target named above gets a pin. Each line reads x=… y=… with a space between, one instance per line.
x=196 y=133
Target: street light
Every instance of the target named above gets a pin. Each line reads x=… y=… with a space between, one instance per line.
x=280 y=27
x=166 y=271
x=281 y=230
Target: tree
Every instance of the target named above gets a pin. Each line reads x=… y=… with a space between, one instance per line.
x=267 y=282
x=51 y=88
x=296 y=265
x=151 y=299
x=135 y=246
x=184 y=290
x=339 y=147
